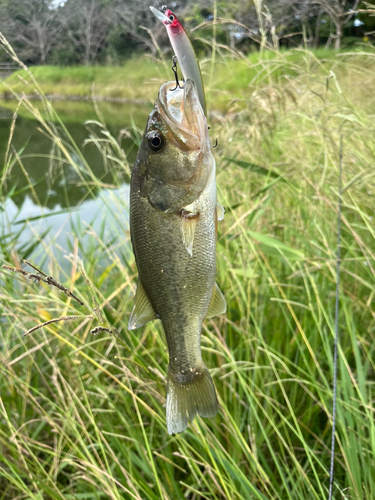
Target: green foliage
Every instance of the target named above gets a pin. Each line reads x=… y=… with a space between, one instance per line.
x=83 y=416
x=132 y=81
x=140 y=78
x=368 y=17
x=111 y=31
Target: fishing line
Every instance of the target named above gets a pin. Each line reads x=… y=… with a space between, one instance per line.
x=338 y=257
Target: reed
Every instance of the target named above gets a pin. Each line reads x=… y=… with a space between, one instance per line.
x=83 y=416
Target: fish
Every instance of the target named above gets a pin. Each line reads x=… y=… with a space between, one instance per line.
x=183 y=50
x=173 y=227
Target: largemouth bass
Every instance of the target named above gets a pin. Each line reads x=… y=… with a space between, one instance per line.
x=173 y=218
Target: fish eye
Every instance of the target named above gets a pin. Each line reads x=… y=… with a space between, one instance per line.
x=171 y=17
x=155 y=141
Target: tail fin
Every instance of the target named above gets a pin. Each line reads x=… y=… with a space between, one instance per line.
x=188 y=396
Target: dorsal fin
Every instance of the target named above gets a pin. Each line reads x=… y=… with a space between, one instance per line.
x=217 y=304
x=142 y=312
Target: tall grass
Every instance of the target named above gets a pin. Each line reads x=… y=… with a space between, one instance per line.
x=83 y=416
x=139 y=80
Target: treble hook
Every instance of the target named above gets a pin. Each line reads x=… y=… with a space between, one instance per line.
x=174 y=69
x=216 y=144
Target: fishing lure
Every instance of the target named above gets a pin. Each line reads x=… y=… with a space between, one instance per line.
x=184 y=51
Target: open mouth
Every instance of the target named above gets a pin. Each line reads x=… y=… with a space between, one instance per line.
x=175 y=102
x=183 y=111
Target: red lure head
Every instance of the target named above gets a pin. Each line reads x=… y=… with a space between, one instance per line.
x=173 y=23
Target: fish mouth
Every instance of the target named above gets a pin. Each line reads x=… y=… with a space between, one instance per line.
x=183 y=114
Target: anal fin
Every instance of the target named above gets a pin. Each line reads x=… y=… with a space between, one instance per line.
x=142 y=312
x=218 y=304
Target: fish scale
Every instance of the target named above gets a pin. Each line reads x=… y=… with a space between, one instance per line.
x=173 y=232
x=179 y=286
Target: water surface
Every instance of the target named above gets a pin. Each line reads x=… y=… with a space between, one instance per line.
x=46 y=199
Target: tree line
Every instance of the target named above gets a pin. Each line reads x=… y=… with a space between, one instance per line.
x=108 y=31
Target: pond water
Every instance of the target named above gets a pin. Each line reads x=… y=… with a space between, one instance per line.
x=46 y=203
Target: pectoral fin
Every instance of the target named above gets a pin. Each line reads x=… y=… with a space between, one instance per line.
x=142 y=312
x=220 y=211
x=217 y=304
x=188 y=224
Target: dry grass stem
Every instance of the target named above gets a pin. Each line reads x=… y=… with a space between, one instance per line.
x=42 y=277
x=100 y=329
x=56 y=320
